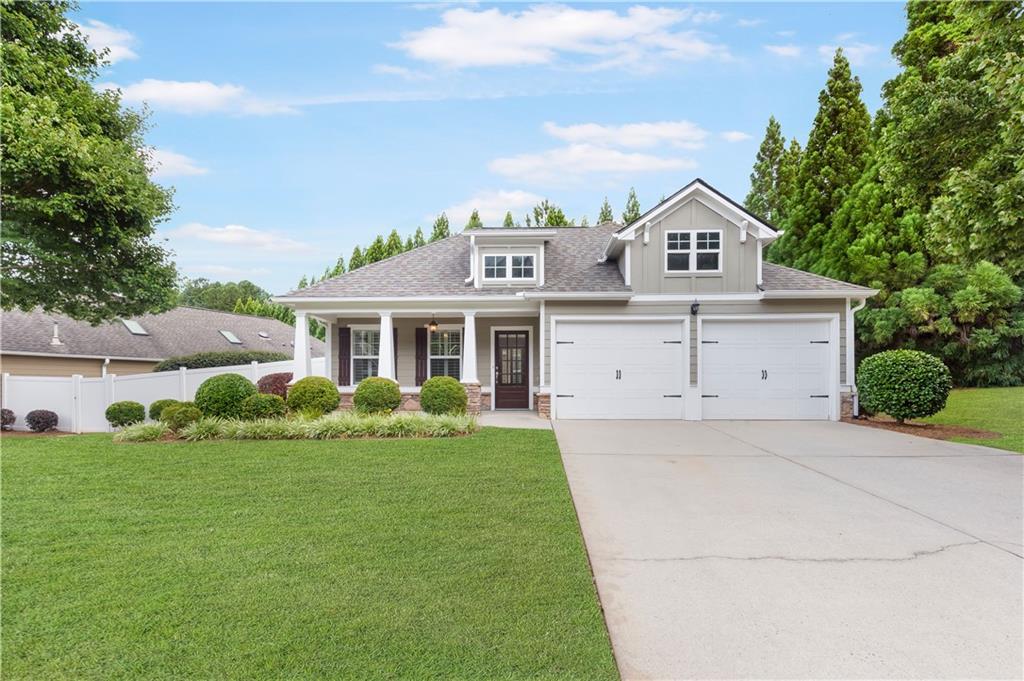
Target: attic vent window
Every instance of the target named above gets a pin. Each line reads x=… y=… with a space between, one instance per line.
x=134 y=327
x=263 y=334
x=232 y=338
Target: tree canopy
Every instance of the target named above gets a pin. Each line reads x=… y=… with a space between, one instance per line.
x=218 y=295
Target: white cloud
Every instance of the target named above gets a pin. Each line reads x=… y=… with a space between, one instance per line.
x=228 y=272
x=749 y=23
x=240 y=237
x=539 y=35
x=198 y=97
x=735 y=136
x=790 y=51
x=169 y=163
x=492 y=206
x=857 y=52
x=101 y=36
x=571 y=163
x=401 y=72
x=679 y=134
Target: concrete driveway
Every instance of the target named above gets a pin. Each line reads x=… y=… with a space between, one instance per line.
x=800 y=549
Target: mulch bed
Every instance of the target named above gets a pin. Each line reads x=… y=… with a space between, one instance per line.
x=935 y=431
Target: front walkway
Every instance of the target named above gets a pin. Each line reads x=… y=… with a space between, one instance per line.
x=799 y=549
x=500 y=418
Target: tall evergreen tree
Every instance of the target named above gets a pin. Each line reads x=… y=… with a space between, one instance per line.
x=837 y=151
x=417 y=238
x=508 y=223
x=376 y=251
x=632 y=212
x=339 y=266
x=393 y=246
x=474 y=221
x=605 y=214
x=765 y=198
x=584 y=222
x=547 y=214
x=440 y=228
x=409 y=245
x=357 y=260
x=789 y=169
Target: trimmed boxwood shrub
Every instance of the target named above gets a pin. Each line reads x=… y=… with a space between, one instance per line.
x=125 y=413
x=443 y=395
x=41 y=420
x=179 y=415
x=205 y=360
x=222 y=395
x=159 y=406
x=314 y=395
x=375 y=395
x=7 y=419
x=904 y=384
x=260 y=406
x=275 y=384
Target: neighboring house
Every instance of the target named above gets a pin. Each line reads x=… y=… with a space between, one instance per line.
x=40 y=343
x=675 y=316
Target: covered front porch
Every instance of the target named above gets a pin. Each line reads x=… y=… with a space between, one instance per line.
x=496 y=353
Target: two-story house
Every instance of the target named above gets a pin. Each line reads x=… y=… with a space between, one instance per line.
x=675 y=316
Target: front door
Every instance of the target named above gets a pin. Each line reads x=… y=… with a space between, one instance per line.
x=511 y=370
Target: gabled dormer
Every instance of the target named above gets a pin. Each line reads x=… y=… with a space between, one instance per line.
x=507 y=258
x=696 y=241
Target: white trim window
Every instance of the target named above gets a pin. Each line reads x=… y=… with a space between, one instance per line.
x=511 y=266
x=444 y=353
x=693 y=251
x=365 y=353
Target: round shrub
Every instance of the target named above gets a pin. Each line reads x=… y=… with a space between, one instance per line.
x=179 y=415
x=275 y=384
x=41 y=420
x=222 y=395
x=157 y=407
x=228 y=358
x=125 y=413
x=904 y=384
x=376 y=395
x=7 y=419
x=443 y=395
x=314 y=394
x=262 y=406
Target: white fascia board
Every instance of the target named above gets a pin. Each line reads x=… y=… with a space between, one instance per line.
x=296 y=302
x=839 y=294
x=19 y=353
x=574 y=295
x=696 y=297
x=513 y=233
x=709 y=199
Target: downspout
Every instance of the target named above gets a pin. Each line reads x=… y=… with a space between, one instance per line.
x=472 y=259
x=852 y=336
x=103 y=369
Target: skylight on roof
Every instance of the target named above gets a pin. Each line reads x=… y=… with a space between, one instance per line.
x=232 y=338
x=134 y=327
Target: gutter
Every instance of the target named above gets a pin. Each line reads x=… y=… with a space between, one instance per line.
x=583 y=295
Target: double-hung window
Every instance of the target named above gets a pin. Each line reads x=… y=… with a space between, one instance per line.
x=509 y=267
x=697 y=251
x=365 y=350
x=446 y=353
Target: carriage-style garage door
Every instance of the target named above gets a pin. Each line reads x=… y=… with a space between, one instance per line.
x=756 y=369
x=619 y=370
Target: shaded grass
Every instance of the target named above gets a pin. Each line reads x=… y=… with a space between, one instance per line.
x=457 y=558
x=999 y=410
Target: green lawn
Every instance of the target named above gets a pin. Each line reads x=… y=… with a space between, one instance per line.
x=449 y=558
x=999 y=410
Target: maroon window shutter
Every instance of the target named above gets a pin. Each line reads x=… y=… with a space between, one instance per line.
x=344 y=356
x=394 y=348
x=421 y=355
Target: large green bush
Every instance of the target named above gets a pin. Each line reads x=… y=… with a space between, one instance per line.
x=261 y=406
x=313 y=395
x=904 y=384
x=222 y=395
x=375 y=395
x=125 y=413
x=179 y=415
x=157 y=408
x=205 y=360
x=443 y=395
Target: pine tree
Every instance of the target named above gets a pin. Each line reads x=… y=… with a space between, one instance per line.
x=357 y=260
x=547 y=214
x=409 y=245
x=440 y=228
x=393 y=246
x=584 y=222
x=474 y=221
x=605 y=214
x=339 y=266
x=509 y=223
x=764 y=198
x=376 y=251
x=632 y=212
x=836 y=154
x=789 y=168
x=417 y=238
x=304 y=282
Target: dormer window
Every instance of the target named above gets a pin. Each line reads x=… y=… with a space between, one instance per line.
x=509 y=267
x=697 y=251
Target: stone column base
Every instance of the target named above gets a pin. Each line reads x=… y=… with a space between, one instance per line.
x=472 y=398
x=846 y=405
x=542 y=403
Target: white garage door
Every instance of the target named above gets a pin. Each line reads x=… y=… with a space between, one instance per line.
x=766 y=369
x=619 y=370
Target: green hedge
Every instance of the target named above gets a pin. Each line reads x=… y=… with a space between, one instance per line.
x=904 y=384
x=261 y=406
x=205 y=360
x=376 y=395
x=125 y=413
x=179 y=415
x=313 y=396
x=222 y=395
x=443 y=395
x=157 y=408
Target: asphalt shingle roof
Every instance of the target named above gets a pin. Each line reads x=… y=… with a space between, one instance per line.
x=181 y=331
x=781 y=278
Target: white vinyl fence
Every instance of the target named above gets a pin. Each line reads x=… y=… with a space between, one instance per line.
x=80 y=402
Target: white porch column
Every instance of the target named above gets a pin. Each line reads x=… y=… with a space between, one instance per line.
x=301 y=367
x=386 y=352
x=329 y=359
x=469 y=349
x=541 y=346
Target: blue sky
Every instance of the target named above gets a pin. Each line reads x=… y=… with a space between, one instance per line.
x=292 y=132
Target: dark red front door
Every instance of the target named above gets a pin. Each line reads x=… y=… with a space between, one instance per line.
x=511 y=370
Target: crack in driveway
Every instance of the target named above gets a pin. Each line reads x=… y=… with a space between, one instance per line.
x=794 y=559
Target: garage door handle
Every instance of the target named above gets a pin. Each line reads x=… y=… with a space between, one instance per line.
x=673 y=342
x=564 y=342
x=708 y=342
x=709 y=395
x=825 y=396
x=565 y=396
x=825 y=342
x=671 y=395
